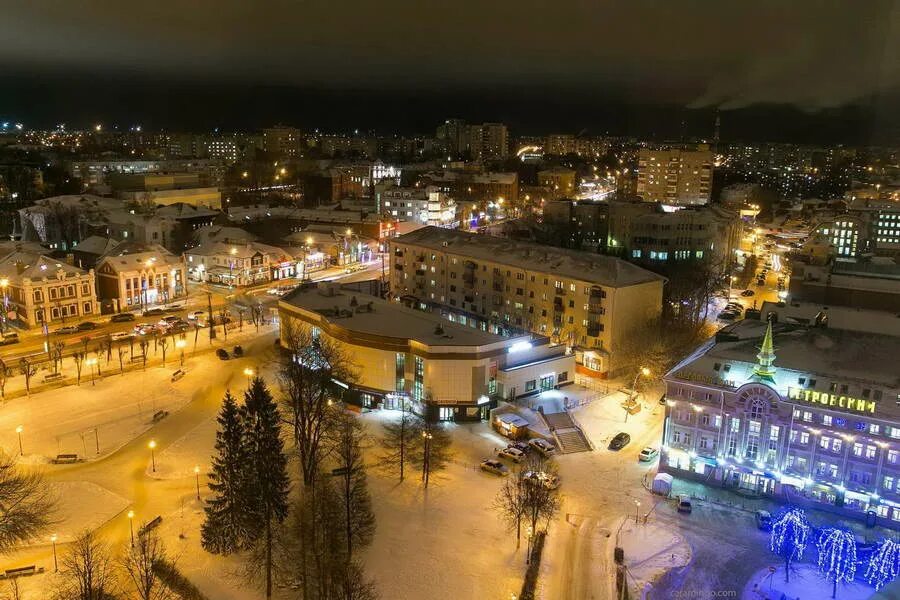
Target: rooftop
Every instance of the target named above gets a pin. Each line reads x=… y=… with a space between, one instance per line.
x=386 y=319
x=582 y=266
x=21 y=264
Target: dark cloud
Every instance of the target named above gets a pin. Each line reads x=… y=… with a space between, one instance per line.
x=811 y=54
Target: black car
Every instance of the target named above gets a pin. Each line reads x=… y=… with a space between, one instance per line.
x=619 y=441
x=154 y=311
x=222 y=354
x=121 y=318
x=87 y=326
x=9 y=338
x=238 y=351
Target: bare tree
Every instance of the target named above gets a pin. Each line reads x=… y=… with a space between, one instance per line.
x=78 y=357
x=4 y=375
x=12 y=590
x=433 y=452
x=400 y=440
x=28 y=369
x=141 y=563
x=359 y=520
x=224 y=318
x=27 y=504
x=85 y=340
x=306 y=375
x=88 y=571
x=540 y=502
x=145 y=345
x=510 y=502
x=106 y=344
x=120 y=350
x=56 y=352
x=97 y=352
x=164 y=345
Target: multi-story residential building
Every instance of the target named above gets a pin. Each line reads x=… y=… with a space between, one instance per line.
x=424 y=205
x=41 y=289
x=489 y=141
x=803 y=408
x=446 y=371
x=473 y=188
x=453 y=135
x=675 y=176
x=132 y=275
x=283 y=141
x=586 y=301
x=559 y=181
x=869 y=226
x=578 y=224
x=559 y=144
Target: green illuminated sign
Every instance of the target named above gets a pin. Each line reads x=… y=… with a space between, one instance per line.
x=826 y=399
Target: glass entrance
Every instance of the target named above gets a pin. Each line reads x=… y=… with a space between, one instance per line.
x=547 y=382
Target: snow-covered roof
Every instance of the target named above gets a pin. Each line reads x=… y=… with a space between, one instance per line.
x=218 y=233
x=96 y=244
x=122 y=258
x=241 y=250
x=20 y=264
x=582 y=266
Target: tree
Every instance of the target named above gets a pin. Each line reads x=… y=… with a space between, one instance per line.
x=164 y=345
x=226 y=527
x=658 y=346
x=789 y=536
x=837 y=557
x=433 y=449
x=224 y=318
x=510 y=503
x=400 y=439
x=306 y=376
x=27 y=505
x=145 y=345
x=141 y=563
x=267 y=478
x=56 y=352
x=28 y=369
x=359 y=519
x=884 y=564
x=4 y=376
x=540 y=502
x=120 y=350
x=78 y=357
x=88 y=571
x=85 y=340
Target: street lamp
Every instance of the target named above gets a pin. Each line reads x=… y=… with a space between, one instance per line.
x=90 y=363
x=249 y=373
x=152 y=446
x=19 y=431
x=131 y=525
x=55 y=563
x=197 y=475
x=528 y=533
x=180 y=344
x=731 y=287
x=637 y=508
x=4 y=283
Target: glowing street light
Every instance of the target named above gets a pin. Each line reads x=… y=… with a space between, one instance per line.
x=197 y=476
x=19 y=432
x=152 y=446
x=53 y=539
x=637 y=508
x=90 y=362
x=248 y=372
x=180 y=344
x=131 y=525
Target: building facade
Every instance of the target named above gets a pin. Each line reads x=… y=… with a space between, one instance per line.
x=424 y=205
x=586 y=301
x=675 y=176
x=129 y=280
x=799 y=411
x=40 y=289
x=445 y=371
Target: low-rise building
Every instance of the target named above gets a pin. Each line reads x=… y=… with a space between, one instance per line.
x=135 y=276
x=445 y=370
x=586 y=301
x=423 y=205
x=41 y=289
x=802 y=408
x=234 y=264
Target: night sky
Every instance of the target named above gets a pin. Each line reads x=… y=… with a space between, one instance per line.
x=777 y=69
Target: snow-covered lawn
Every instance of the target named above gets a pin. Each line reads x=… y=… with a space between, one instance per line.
x=651 y=549
x=806 y=582
x=82 y=506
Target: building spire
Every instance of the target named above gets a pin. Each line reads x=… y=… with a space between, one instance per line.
x=765 y=368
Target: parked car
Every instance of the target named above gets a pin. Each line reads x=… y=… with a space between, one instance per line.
x=152 y=312
x=169 y=319
x=619 y=441
x=727 y=316
x=494 y=466
x=195 y=315
x=542 y=446
x=513 y=454
x=684 y=503
x=238 y=351
x=548 y=480
x=763 y=520
x=66 y=330
x=87 y=326
x=521 y=445
x=222 y=354
x=648 y=453
x=747 y=293
x=10 y=338
x=121 y=318
x=144 y=328
x=121 y=335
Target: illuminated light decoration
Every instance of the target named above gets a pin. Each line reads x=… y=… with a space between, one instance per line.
x=827 y=399
x=789 y=537
x=837 y=556
x=884 y=564
x=482 y=400
x=519 y=347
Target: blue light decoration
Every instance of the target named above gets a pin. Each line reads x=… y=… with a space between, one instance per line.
x=837 y=556
x=789 y=536
x=884 y=564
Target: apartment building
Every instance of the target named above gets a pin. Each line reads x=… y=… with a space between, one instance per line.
x=559 y=181
x=41 y=289
x=283 y=141
x=675 y=176
x=489 y=141
x=803 y=408
x=423 y=205
x=586 y=301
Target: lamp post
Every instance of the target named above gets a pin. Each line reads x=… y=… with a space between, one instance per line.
x=637 y=508
x=528 y=533
x=19 y=432
x=152 y=446
x=55 y=563
x=249 y=373
x=197 y=475
x=131 y=525
x=90 y=363
x=180 y=344
x=4 y=284
x=731 y=287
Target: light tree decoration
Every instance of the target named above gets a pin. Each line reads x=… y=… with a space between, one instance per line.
x=884 y=564
x=837 y=557
x=790 y=534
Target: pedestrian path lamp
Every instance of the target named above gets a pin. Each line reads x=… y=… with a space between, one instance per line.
x=131 y=525
x=180 y=344
x=249 y=373
x=19 y=433
x=197 y=476
x=152 y=446
x=90 y=363
x=55 y=563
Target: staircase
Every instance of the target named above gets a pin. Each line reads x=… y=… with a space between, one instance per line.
x=569 y=436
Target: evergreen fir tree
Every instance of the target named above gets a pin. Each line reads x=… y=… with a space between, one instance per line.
x=225 y=529
x=268 y=483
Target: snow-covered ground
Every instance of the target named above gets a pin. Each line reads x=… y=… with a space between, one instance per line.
x=806 y=582
x=650 y=549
